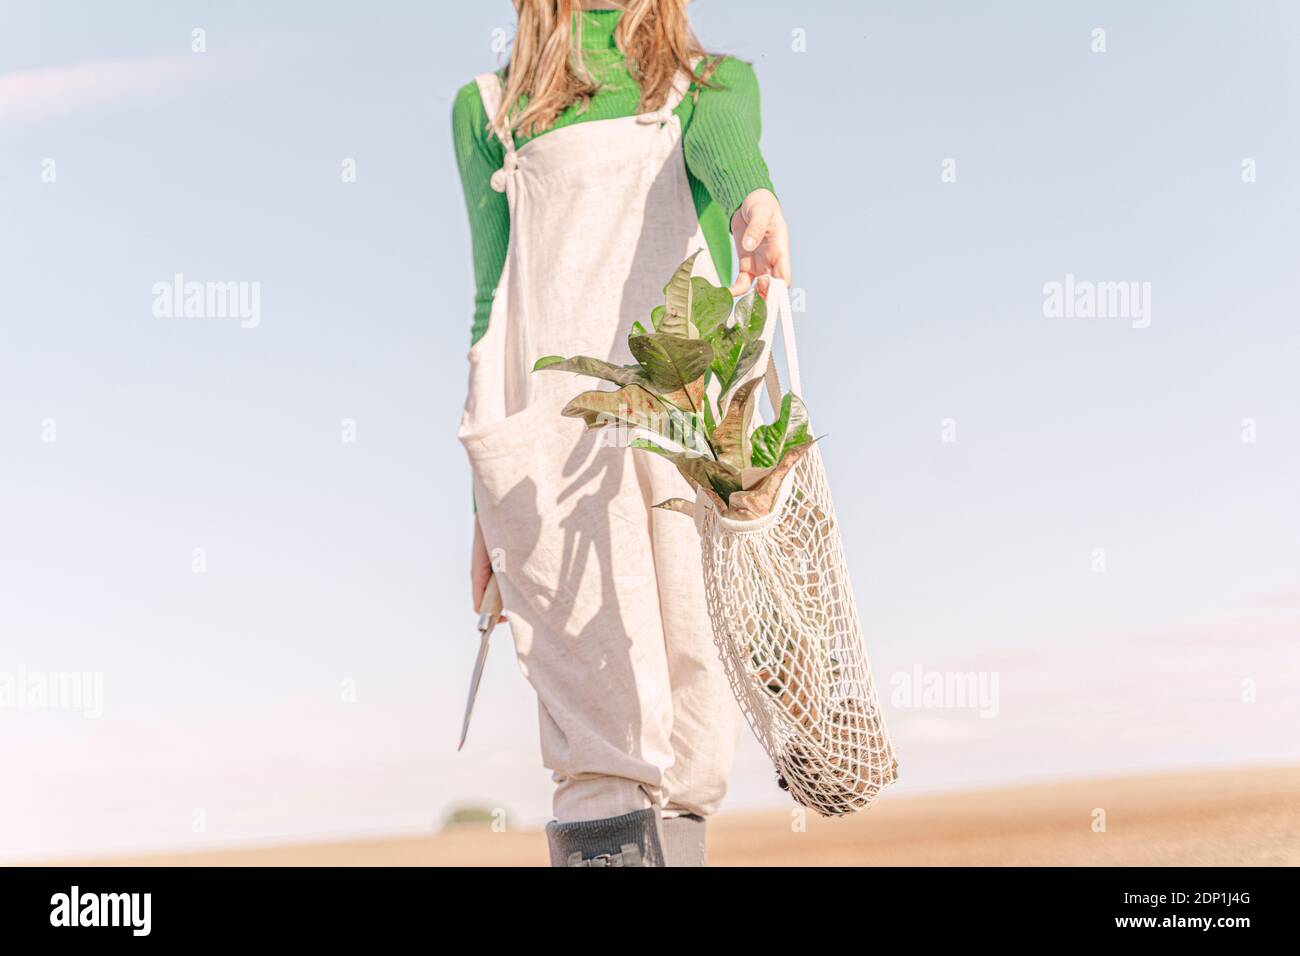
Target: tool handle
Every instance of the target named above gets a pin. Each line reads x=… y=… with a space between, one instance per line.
x=491 y=603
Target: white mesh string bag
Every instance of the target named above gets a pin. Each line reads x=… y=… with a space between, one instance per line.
x=787 y=629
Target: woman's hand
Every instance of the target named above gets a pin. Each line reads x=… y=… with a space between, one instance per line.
x=762 y=242
x=480 y=567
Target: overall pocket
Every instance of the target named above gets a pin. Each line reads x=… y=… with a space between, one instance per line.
x=516 y=463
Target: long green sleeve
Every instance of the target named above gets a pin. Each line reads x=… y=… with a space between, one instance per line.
x=720 y=141
x=478 y=156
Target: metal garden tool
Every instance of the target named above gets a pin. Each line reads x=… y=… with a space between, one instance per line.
x=489 y=612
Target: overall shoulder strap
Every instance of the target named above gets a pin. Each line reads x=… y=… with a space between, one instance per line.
x=681 y=85
x=490 y=90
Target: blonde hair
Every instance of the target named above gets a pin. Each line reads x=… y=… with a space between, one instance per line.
x=547 y=75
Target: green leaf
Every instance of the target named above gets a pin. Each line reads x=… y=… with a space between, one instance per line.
x=727 y=344
x=685 y=429
x=677 y=301
x=639 y=329
x=688 y=399
x=585 y=365
x=748 y=356
x=670 y=361
x=736 y=344
x=700 y=470
x=680 y=505
x=630 y=405
x=770 y=442
x=731 y=366
x=751 y=313
x=710 y=306
x=757 y=502
x=731 y=437
x=721 y=479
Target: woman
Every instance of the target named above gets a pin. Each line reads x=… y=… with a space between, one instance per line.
x=606 y=152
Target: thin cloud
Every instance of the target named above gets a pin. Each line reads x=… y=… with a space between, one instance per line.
x=49 y=93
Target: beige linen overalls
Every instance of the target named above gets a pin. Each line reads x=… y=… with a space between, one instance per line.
x=604 y=594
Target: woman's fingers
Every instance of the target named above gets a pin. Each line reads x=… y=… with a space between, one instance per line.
x=480 y=567
x=762 y=243
x=781 y=263
x=749 y=265
x=759 y=221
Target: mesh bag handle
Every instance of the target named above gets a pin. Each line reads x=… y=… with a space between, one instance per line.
x=779 y=313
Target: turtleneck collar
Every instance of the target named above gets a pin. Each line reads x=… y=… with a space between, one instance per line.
x=598 y=28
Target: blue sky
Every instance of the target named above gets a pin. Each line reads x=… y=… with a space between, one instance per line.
x=337 y=569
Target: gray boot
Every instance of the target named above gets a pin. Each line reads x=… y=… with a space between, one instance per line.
x=634 y=839
x=684 y=840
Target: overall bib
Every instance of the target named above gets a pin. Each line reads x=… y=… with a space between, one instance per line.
x=604 y=594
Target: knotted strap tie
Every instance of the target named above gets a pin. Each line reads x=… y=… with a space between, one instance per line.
x=510 y=164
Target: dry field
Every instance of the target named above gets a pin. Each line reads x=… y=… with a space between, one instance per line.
x=1249 y=816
